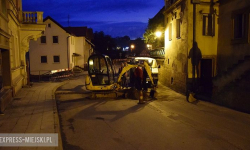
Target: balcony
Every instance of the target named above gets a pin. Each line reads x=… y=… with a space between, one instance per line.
x=32 y=27
x=31 y=17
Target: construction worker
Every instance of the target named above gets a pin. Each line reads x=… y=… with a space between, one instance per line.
x=138 y=83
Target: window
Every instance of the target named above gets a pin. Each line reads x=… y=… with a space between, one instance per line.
x=49 y=25
x=208 y=29
x=55 y=39
x=43 y=39
x=43 y=59
x=170 y=31
x=56 y=59
x=178 y=28
x=240 y=24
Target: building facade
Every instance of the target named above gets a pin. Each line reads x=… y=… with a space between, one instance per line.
x=83 y=45
x=191 y=36
x=233 y=41
x=59 y=48
x=231 y=85
x=207 y=50
x=17 y=28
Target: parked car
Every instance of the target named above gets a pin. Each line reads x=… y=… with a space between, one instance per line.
x=153 y=65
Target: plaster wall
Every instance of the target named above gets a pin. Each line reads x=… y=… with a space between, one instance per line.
x=228 y=53
x=174 y=69
x=80 y=50
x=71 y=46
x=207 y=44
x=87 y=51
x=17 y=56
x=49 y=49
x=4 y=39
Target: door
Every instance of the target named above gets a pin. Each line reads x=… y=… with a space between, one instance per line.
x=206 y=73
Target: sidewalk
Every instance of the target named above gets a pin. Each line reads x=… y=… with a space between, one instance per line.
x=33 y=110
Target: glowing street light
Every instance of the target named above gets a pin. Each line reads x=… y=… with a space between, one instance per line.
x=132 y=46
x=158 y=34
x=149 y=46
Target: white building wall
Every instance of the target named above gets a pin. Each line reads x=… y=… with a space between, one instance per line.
x=49 y=49
x=87 y=51
x=71 y=50
x=80 y=50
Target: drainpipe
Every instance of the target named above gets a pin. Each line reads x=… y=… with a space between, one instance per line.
x=68 y=50
x=194 y=40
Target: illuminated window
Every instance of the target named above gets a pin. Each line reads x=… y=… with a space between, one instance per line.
x=56 y=59
x=178 y=28
x=43 y=39
x=208 y=29
x=55 y=39
x=170 y=32
x=43 y=59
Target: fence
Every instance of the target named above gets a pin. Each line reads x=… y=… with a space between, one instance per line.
x=46 y=75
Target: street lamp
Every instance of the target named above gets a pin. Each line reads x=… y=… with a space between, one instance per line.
x=158 y=34
x=132 y=47
x=149 y=46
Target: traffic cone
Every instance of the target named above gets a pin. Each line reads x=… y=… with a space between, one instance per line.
x=191 y=97
x=141 y=97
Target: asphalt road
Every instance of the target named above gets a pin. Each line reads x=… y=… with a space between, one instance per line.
x=168 y=123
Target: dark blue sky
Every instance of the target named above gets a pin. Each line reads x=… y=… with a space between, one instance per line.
x=114 y=17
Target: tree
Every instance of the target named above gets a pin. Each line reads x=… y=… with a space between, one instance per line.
x=122 y=42
x=103 y=43
x=154 y=24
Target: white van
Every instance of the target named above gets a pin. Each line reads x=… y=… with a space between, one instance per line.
x=153 y=64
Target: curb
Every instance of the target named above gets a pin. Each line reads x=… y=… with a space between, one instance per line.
x=56 y=115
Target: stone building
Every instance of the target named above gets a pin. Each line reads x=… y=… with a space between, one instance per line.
x=232 y=84
x=233 y=42
x=17 y=28
x=191 y=36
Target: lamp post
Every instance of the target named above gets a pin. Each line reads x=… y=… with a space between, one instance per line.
x=132 y=46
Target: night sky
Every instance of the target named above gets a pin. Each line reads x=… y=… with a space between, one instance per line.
x=114 y=17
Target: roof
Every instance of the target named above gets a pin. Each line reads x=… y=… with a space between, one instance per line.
x=50 y=18
x=90 y=42
x=80 y=31
x=76 y=31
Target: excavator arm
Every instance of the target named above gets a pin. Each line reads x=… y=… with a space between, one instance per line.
x=130 y=66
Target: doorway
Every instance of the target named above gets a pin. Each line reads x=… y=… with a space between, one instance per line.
x=206 y=73
x=5 y=68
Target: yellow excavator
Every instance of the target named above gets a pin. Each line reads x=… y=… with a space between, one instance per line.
x=101 y=75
